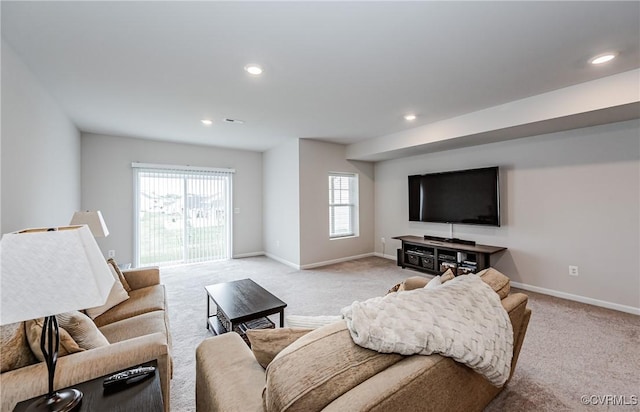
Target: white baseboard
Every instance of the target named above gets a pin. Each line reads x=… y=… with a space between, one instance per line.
x=283 y=261
x=331 y=262
x=578 y=298
x=390 y=257
x=324 y=263
x=246 y=255
x=317 y=264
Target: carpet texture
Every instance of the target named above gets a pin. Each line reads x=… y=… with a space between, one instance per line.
x=570 y=350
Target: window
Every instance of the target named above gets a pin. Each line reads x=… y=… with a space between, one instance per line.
x=343 y=205
x=182 y=214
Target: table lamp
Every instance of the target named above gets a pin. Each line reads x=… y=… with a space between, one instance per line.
x=45 y=272
x=93 y=219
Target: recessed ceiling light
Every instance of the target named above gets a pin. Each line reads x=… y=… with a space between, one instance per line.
x=253 y=69
x=603 y=58
x=207 y=122
x=410 y=117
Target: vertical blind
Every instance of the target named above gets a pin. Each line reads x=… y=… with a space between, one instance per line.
x=343 y=204
x=182 y=214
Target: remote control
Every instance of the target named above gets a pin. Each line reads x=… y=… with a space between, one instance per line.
x=128 y=377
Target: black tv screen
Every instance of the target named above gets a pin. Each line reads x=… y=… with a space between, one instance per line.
x=469 y=197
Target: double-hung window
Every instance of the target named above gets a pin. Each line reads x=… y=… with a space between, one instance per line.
x=343 y=205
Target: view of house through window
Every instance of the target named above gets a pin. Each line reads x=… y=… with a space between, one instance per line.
x=182 y=216
x=343 y=205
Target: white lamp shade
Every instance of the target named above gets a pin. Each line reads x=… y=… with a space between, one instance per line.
x=46 y=272
x=93 y=219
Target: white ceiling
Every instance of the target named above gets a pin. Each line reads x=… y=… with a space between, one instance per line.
x=336 y=71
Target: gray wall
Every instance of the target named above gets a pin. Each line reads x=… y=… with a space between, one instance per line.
x=40 y=164
x=317 y=159
x=569 y=198
x=107 y=185
x=281 y=203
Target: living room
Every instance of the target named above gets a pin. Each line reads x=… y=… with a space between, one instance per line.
x=568 y=156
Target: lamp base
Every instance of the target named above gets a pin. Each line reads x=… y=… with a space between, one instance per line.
x=61 y=401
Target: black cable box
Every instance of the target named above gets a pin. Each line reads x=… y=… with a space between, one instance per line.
x=450 y=240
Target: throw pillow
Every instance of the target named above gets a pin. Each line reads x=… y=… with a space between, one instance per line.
x=414 y=282
x=82 y=330
x=395 y=288
x=434 y=283
x=447 y=275
x=318 y=368
x=123 y=280
x=14 y=348
x=311 y=322
x=116 y=296
x=267 y=343
x=498 y=282
x=33 y=329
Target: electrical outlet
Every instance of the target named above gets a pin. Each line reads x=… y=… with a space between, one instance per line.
x=383 y=240
x=277 y=243
x=573 y=271
x=111 y=253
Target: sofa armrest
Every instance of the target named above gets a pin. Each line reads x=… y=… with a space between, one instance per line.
x=142 y=277
x=228 y=376
x=31 y=381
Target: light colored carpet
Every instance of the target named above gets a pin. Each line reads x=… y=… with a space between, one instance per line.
x=570 y=349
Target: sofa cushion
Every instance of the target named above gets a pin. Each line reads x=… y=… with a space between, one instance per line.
x=498 y=282
x=14 y=347
x=33 y=330
x=116 y=295
x=319 y=367
x=116 y=268
x=267 y=343
x=140 y=301
x=144 y=324
x=82 y=330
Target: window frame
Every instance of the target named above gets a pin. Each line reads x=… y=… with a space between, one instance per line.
x=353 y=205
x=185 y=173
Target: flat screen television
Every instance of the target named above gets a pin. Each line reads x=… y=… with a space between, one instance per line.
x=470 y=197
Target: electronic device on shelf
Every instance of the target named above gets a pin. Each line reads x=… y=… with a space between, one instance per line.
x=436 y=238
x=449 y=240
x=128 y=377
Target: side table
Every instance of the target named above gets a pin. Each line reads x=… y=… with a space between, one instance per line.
x=143 y=396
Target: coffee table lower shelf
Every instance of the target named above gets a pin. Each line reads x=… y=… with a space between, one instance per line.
x=216 y=326
x=260 y=323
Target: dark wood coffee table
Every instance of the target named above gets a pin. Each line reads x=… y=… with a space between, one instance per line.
x=240 y=301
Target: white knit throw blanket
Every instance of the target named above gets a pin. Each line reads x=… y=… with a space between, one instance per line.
x=462 y=319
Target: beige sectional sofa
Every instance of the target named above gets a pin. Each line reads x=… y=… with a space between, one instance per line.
x=137 y=330
x=229 y=378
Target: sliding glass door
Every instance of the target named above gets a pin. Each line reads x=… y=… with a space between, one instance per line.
x=182 y=216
